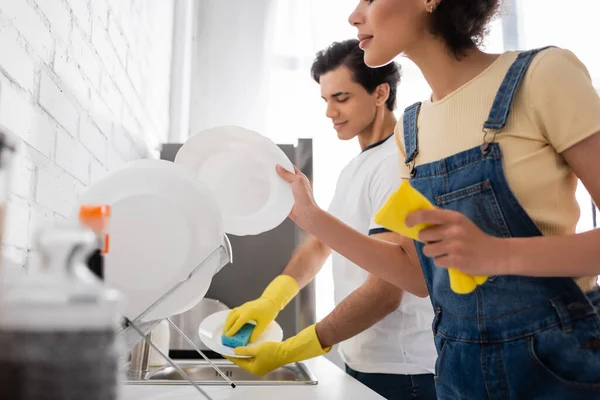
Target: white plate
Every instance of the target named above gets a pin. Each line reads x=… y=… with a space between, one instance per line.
x=164 y=222
x=238 y=165
x=211 y=331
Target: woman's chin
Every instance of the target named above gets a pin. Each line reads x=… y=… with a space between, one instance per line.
x=375 y=59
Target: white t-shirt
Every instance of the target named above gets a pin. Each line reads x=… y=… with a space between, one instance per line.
x=402 y=342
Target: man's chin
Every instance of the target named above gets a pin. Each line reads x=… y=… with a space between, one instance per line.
x=342 y=135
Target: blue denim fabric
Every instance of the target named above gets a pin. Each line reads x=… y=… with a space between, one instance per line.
x=514 y=337
x=397 y=387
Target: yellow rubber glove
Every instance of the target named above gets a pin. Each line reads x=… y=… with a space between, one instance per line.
x=393 y=216
x=271 y=355
x=263 y=310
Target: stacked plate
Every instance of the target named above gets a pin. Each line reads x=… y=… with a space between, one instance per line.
x=164 y=222
x=166 y=218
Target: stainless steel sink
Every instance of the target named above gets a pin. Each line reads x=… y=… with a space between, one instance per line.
x=202 y=373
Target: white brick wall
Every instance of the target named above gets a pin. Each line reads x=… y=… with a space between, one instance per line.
x=85 y=86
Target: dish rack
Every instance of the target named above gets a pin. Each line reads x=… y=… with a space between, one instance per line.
x=136 y=328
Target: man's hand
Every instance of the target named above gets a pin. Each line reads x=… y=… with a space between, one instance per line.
x=263 y=310
x=269 y=356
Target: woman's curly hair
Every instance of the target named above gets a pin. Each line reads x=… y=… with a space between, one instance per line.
x=462 y=24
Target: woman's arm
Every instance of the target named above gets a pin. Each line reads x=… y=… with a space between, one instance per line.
x=573 y=255
x=456 y=242
x=397 y=264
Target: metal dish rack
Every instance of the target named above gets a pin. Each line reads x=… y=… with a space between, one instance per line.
x=134 y=329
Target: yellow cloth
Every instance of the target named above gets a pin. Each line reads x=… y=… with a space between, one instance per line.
x=268 y=356
x=555 y=108
x=393 y=216
x=264 y=309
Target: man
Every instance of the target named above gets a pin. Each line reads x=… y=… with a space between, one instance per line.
x=384 y=334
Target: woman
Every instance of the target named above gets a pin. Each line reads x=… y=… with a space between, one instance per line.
x=498 y=149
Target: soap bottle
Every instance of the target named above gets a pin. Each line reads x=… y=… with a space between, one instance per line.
x=58 y=326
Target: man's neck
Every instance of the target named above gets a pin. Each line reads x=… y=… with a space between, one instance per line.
x=383 y=126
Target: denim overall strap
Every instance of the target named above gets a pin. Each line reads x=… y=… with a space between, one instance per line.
x=409 y=123
x=508 y=89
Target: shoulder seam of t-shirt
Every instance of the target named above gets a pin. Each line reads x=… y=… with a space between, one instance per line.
x=531 y=73
x=376 y=231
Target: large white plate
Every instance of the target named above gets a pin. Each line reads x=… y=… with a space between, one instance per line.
x=238 y=165
x=164 y=222
x=211 y=331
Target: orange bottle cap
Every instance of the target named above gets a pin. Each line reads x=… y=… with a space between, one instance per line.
x=94 y=211
x=95 y=217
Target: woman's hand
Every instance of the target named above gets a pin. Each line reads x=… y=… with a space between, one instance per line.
x=455 y=242
x=304 y=203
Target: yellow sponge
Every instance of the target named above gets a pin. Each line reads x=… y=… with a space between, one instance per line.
x=393 y=216
x=401 y=203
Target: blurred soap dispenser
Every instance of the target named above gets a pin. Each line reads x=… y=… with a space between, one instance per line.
x=58 y=325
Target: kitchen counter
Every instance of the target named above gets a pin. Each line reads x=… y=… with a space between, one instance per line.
x=333 y=384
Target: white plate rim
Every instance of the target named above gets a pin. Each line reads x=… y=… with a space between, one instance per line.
x=251 y=143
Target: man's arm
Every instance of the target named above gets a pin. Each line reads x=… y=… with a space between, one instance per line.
x=363 y=308
x=307 y=261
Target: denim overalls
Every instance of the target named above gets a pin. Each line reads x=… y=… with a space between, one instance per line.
x=513 y=337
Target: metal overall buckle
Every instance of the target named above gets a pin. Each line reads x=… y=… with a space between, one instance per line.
x=485 y=146
x=411 y=165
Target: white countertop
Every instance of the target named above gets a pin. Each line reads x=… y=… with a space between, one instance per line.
x=333 y=384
